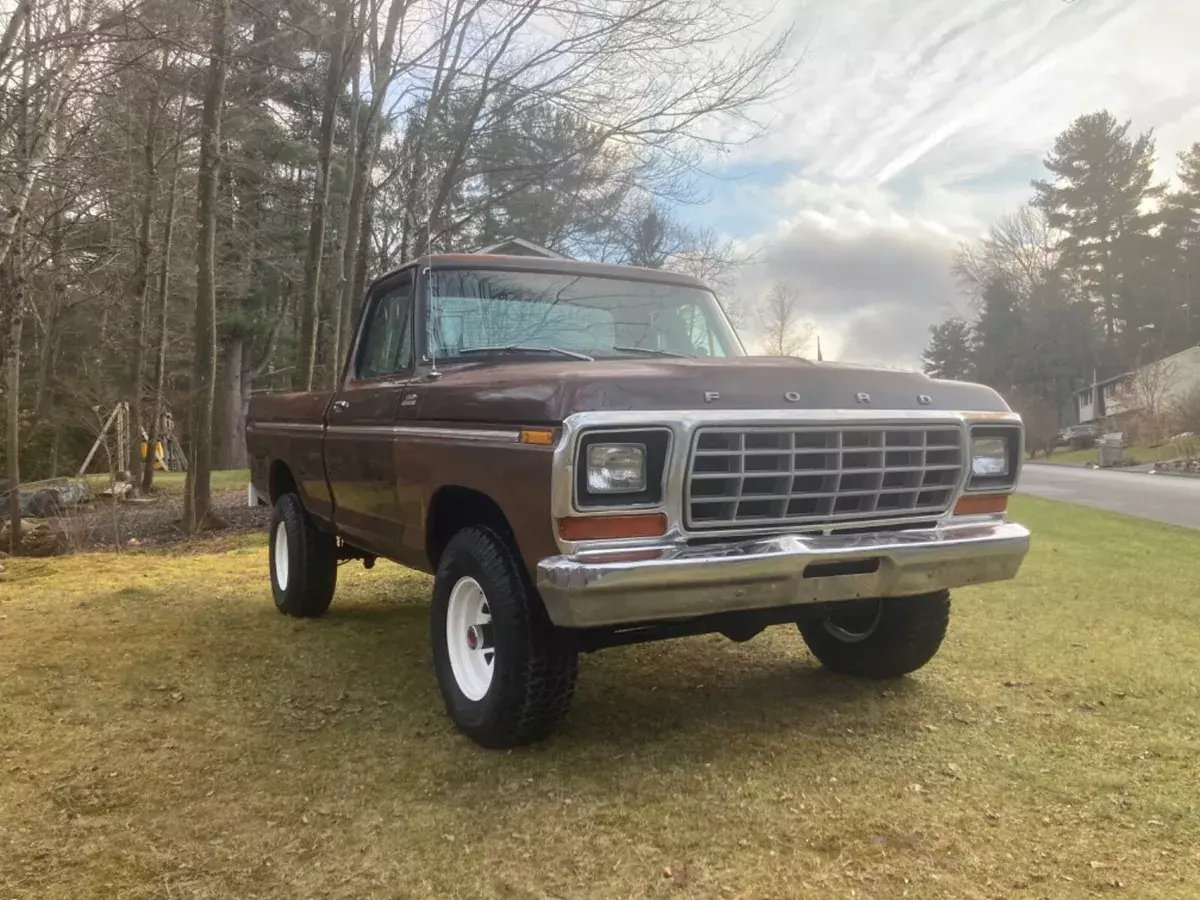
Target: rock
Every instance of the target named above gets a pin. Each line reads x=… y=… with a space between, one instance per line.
x=119 y=489
x=39 y=537
x=46 y=499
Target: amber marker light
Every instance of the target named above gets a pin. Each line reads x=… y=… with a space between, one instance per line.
x=593 y=528
x=539 y=437
x=980 y=504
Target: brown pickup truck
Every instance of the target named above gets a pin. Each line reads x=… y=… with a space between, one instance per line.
x=584 y=456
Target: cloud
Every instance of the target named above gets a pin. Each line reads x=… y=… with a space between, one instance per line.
x=914 y=126
x=869 y=279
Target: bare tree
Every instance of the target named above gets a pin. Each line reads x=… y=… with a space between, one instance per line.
x=198 y=493
x=310 y=299
x=164 y=277
x=1019 y=250
x=1145 y=393
x=785 y=331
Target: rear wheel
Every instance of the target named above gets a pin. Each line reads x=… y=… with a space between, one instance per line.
x=882 y=639
x=303 y=561
x=506 y=675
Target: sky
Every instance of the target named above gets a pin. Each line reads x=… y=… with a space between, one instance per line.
x=911 y=125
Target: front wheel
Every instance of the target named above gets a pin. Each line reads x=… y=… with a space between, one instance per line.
x=303 y=561
x=507 y=676
x=881 y=639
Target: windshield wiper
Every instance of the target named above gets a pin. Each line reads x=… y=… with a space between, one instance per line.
x=526 y=348
x=653 y=351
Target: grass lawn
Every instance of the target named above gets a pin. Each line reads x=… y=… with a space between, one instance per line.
x=165 y=733
x=1143 y=453
x=172 y=482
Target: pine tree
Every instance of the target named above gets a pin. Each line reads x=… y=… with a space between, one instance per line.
x=999 y=336
x=1101 y=187
x=949 y=354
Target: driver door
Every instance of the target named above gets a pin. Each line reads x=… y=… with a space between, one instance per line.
x=359 y=443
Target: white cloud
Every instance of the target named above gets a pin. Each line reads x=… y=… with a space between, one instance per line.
x=912 y=126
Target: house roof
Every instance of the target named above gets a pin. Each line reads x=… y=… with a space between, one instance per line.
x=1101 y=382
x=538 y=249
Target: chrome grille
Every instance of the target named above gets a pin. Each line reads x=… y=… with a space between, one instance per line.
x=813 y=474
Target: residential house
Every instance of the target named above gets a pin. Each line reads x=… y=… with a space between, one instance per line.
x=1164 y=380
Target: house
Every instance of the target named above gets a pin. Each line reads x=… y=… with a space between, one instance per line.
x=1155 y=383
x=515 y=246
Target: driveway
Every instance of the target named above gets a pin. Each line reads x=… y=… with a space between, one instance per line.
x=1165 y=498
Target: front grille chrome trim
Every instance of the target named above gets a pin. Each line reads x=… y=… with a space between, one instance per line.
x=749 y=475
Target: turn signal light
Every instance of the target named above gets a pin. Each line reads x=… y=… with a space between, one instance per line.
x=540 y=437
x=980 y=504
x=593 y=528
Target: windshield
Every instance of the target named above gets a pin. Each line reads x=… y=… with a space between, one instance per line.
x=472 y=311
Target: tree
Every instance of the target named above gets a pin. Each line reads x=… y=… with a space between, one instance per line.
x=785 y=332
x=1101 y=184
x=310 y=299
x=949 y=354
x=198 y=494
x=1021 y=249
x=1146 y=393
x=1179 y=243
x=999 y=336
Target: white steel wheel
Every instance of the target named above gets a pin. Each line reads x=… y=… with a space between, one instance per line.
x=281 y=555
x=469 y=641
x=855 y=627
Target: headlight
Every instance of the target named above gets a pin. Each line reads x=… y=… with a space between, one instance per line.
x=616 y=468
x=989 y=457
x=621 y=468
x=995 y=457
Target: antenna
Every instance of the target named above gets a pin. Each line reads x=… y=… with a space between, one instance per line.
x=433 y=374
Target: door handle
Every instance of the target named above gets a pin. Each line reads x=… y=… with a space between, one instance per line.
x=339 y=405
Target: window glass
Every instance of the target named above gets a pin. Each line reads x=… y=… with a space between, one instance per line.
x=474 y=309
x=387 y=343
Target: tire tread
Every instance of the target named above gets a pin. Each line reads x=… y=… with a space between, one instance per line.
x=908 y=635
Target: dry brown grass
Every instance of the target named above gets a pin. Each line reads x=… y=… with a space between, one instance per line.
x=165 y=733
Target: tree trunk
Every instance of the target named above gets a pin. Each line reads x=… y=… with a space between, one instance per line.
x=164 y=277
x=343 y=261
x=11 y=282
x=12 y=298
x=198 y=494
x=15 y=20
x=311 y=298
x=361 y=194
x=139 y=284
x=363 y=256
x=231 y=454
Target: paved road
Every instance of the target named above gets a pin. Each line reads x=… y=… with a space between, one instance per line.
x=1162 y=497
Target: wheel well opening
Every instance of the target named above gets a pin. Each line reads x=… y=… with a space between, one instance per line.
x=281 y=481
x=454 y=508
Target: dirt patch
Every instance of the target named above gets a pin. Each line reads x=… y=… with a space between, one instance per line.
x=154 y=522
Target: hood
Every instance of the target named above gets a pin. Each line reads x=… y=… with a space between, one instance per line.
x=548 y=392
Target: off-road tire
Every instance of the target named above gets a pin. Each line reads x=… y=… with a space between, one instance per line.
x=535 y=665
x=311 y=561
x=906 y=635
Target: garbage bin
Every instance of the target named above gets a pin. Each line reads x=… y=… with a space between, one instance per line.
x=1112 y=449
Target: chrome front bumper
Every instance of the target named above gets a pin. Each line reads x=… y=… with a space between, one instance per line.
x=620 y=587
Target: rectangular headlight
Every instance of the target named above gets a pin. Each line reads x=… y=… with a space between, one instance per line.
x=989 y=457
x=621 y=468
x=995 y=457
x=616 y=468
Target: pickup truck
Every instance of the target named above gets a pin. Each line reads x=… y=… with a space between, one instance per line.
x=584 y=456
